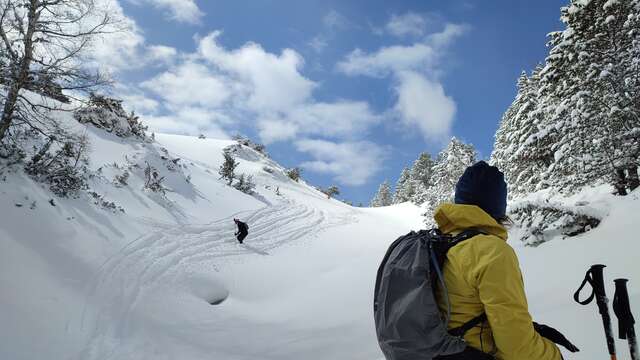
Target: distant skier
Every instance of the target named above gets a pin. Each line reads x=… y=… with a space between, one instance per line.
x=243 y=230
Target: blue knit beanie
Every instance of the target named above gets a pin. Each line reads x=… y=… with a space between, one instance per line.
x=484 y=186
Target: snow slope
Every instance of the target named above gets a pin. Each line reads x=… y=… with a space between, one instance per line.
x=167 y=280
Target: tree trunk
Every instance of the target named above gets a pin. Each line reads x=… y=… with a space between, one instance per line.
x=621 y=182
x=21 y=77
x=633 y=180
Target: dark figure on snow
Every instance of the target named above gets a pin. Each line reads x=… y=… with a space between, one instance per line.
x=483 y=274
x=243 y=230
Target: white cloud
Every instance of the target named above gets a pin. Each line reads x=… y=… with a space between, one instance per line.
x=189 y=84
x=421 y=99
x=189 y=121
x=350 y=163
x=343 y=119
x=138 y=103
x=423 y=103
x=114 y=50
x=332 y=23
x=334 y=20
x=123 y=47
x=215 y=90
x=186 y=11
x=318 y=43
x=388 y=59
x=407 y=24
x=160 y=54
x=445 y=37
x=274 y=80
x=272 y=129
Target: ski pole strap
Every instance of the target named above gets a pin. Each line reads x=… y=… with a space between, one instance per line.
x=461 y=330
x=587 y=279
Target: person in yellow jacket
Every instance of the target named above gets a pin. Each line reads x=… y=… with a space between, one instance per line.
x=482 y=274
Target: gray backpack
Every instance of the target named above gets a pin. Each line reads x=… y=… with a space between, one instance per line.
x=408 y=322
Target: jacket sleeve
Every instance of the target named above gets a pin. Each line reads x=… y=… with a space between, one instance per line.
x=501 y=290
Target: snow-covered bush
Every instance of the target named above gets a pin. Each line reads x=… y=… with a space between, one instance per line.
x=63 y=166
x=99 y=200
x=153 y=180
x=108 y=114
x=245 y=184
x=331 y=191
x=171 y=163
x=242 y=140
x=294 y=173
x=541 y=221
x=12 y=149
x=122 y=179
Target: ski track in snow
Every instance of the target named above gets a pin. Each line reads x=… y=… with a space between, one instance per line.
x=149 y=263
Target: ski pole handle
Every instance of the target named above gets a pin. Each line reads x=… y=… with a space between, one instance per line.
x=622 y=309
x=595 y=278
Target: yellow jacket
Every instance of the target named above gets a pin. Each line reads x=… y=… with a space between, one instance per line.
x=483 y=275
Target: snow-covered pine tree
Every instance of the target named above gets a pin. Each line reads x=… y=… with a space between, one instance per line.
x=245 y=184
x=228 y=168
x=517 y=150
x=504 y=145
x=383 y=197
x=294 y=173
x=593 y=69
x=332 y=191
x=449 y=166
x=421 y=173
x=405 y=188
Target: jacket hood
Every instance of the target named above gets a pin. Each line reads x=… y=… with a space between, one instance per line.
x=454 y=218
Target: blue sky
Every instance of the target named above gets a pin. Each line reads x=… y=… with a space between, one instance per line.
x=352 y=91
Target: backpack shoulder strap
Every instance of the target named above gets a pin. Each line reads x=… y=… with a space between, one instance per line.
x=441 y=247
x=461 y=330
x=465 y=235
x=439 y=263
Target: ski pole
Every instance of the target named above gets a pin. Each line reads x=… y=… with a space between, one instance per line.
x=595 y=278
x=622 y=309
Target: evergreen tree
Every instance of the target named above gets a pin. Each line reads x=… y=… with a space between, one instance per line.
x=245 y=184
x=383 y=197
x=421 y=173
x=332 y=191
x=294 y=173
x=404 y=187
x=517 y=150
x=450 y=165
x=593 y=70
x=228 y=168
